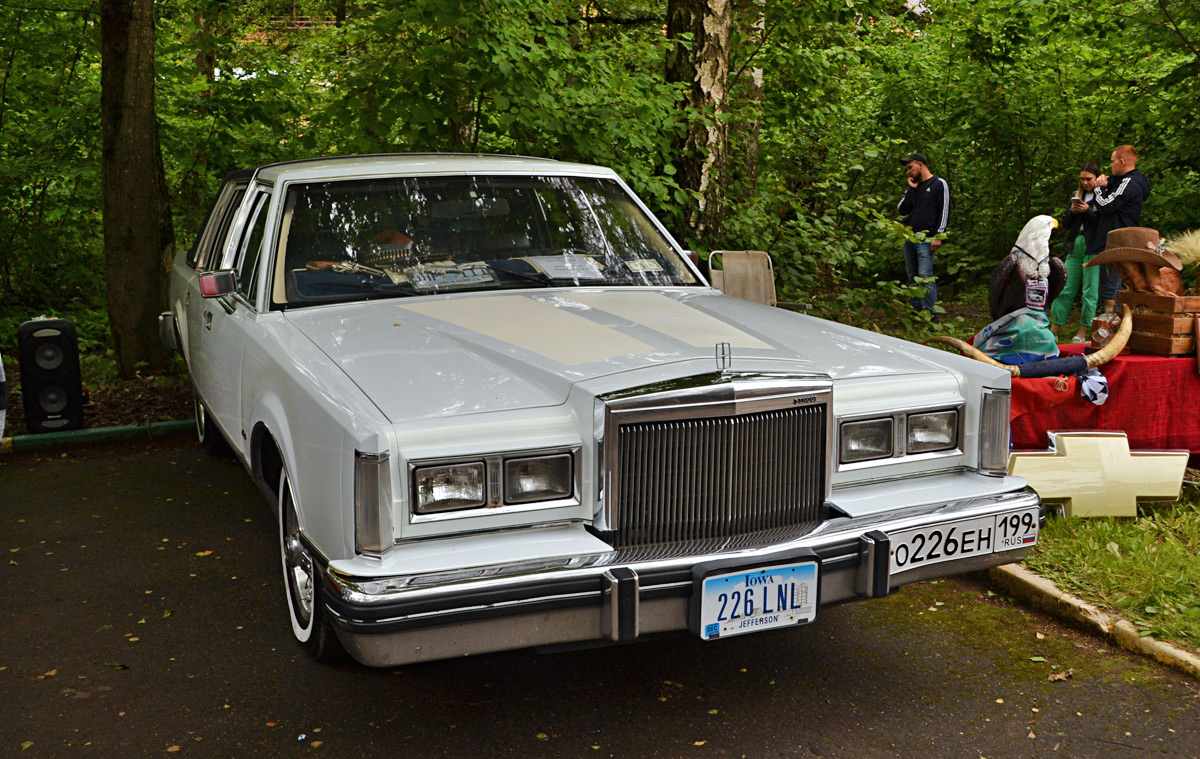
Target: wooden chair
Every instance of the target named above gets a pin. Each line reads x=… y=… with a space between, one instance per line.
x=748 y=274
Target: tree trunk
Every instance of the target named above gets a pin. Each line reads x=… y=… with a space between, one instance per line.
x=705 y=69
x=749 y=87
x=139 y=237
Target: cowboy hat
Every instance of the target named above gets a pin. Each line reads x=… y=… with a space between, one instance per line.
x=1136 y=245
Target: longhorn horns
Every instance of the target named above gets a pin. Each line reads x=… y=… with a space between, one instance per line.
x=1102 y=356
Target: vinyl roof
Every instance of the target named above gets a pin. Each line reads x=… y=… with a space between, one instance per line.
x=364 y=166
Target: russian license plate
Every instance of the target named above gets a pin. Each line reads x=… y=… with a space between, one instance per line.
x=964 y=538
x=751 y=600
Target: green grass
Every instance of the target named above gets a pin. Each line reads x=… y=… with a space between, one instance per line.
x=1145 y=569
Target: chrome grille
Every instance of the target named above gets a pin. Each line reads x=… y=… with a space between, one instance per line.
x=720 y=476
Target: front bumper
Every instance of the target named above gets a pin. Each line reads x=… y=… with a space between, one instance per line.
x=620 y=596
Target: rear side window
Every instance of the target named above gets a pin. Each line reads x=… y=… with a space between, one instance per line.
x=247 y=260
x=216 y=230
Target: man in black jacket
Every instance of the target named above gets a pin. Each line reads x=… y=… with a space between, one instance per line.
x=926 y=208
x=1117 y=204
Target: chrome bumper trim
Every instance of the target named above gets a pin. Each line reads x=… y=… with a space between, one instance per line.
x=599 y=600
x=836 y=539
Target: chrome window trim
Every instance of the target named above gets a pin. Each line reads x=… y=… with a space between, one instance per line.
x=494 y=485
x=900 y=436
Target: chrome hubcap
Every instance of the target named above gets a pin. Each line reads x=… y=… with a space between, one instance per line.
x=199 y=412
x=300 y=577
x=298 y=567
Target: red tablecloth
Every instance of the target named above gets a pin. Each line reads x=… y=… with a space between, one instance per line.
x=1154 y=400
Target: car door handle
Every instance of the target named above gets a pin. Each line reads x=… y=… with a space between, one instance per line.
x=207 y=319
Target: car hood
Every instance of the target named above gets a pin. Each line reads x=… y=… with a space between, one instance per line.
x=472 y=353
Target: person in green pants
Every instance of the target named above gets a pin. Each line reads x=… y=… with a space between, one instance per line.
x=1079 y=228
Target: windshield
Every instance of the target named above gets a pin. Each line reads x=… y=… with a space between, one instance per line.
x=405 y=236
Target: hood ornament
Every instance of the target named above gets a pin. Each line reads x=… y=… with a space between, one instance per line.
x=723 y=356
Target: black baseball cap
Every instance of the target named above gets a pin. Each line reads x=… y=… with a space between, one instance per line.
x=915 y=157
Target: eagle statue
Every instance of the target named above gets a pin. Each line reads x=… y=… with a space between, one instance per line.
x=1022 y=287
x=1030 y=257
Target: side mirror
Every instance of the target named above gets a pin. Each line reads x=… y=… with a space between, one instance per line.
x=214 y=284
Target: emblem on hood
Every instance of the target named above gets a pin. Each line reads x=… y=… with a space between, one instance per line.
x=724 y=356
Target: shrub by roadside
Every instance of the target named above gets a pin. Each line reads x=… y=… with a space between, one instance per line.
x=1144 y=569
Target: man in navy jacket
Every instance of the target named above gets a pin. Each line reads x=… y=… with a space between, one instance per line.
x=1117 y=204
x=926 y=208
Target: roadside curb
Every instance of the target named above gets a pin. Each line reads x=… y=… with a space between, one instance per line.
x=20 y=443
x=1037 y=591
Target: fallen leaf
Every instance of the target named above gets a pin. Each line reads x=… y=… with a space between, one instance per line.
x=204 y=553
x=1031 y=735
x=52 y=673
x=270 y=724
x=315 y=744
x=1041 y=636
x=712 y=711
x=172 y=749
x=999 y=701
x=1060 y=676
x=699 y=743
x=26 y=744
x=1037 y=658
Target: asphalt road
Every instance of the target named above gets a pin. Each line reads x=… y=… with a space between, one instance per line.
x=141 y=614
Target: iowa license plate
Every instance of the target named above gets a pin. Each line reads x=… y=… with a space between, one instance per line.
x=751 y=600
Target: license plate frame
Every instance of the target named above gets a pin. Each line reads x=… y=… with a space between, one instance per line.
x=922 y=546
x=795 y=574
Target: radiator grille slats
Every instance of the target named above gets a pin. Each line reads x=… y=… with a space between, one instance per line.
x=713 y=478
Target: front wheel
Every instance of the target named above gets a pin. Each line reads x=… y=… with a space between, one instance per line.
x=301 y=581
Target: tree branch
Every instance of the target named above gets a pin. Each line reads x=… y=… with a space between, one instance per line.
x=1175 y=27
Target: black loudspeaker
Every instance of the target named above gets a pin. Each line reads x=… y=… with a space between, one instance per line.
x=50 y=382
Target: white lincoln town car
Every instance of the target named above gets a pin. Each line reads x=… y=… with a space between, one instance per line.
x=493 y=405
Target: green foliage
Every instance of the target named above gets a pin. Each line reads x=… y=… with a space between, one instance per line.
x=1143 y=568
x=49 y=161
x=1007 y=99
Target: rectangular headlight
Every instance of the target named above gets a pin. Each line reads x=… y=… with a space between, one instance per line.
x=994 y=432
x=866 y=440
x=449 y=487
x=541 y=478
x=934 y=431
